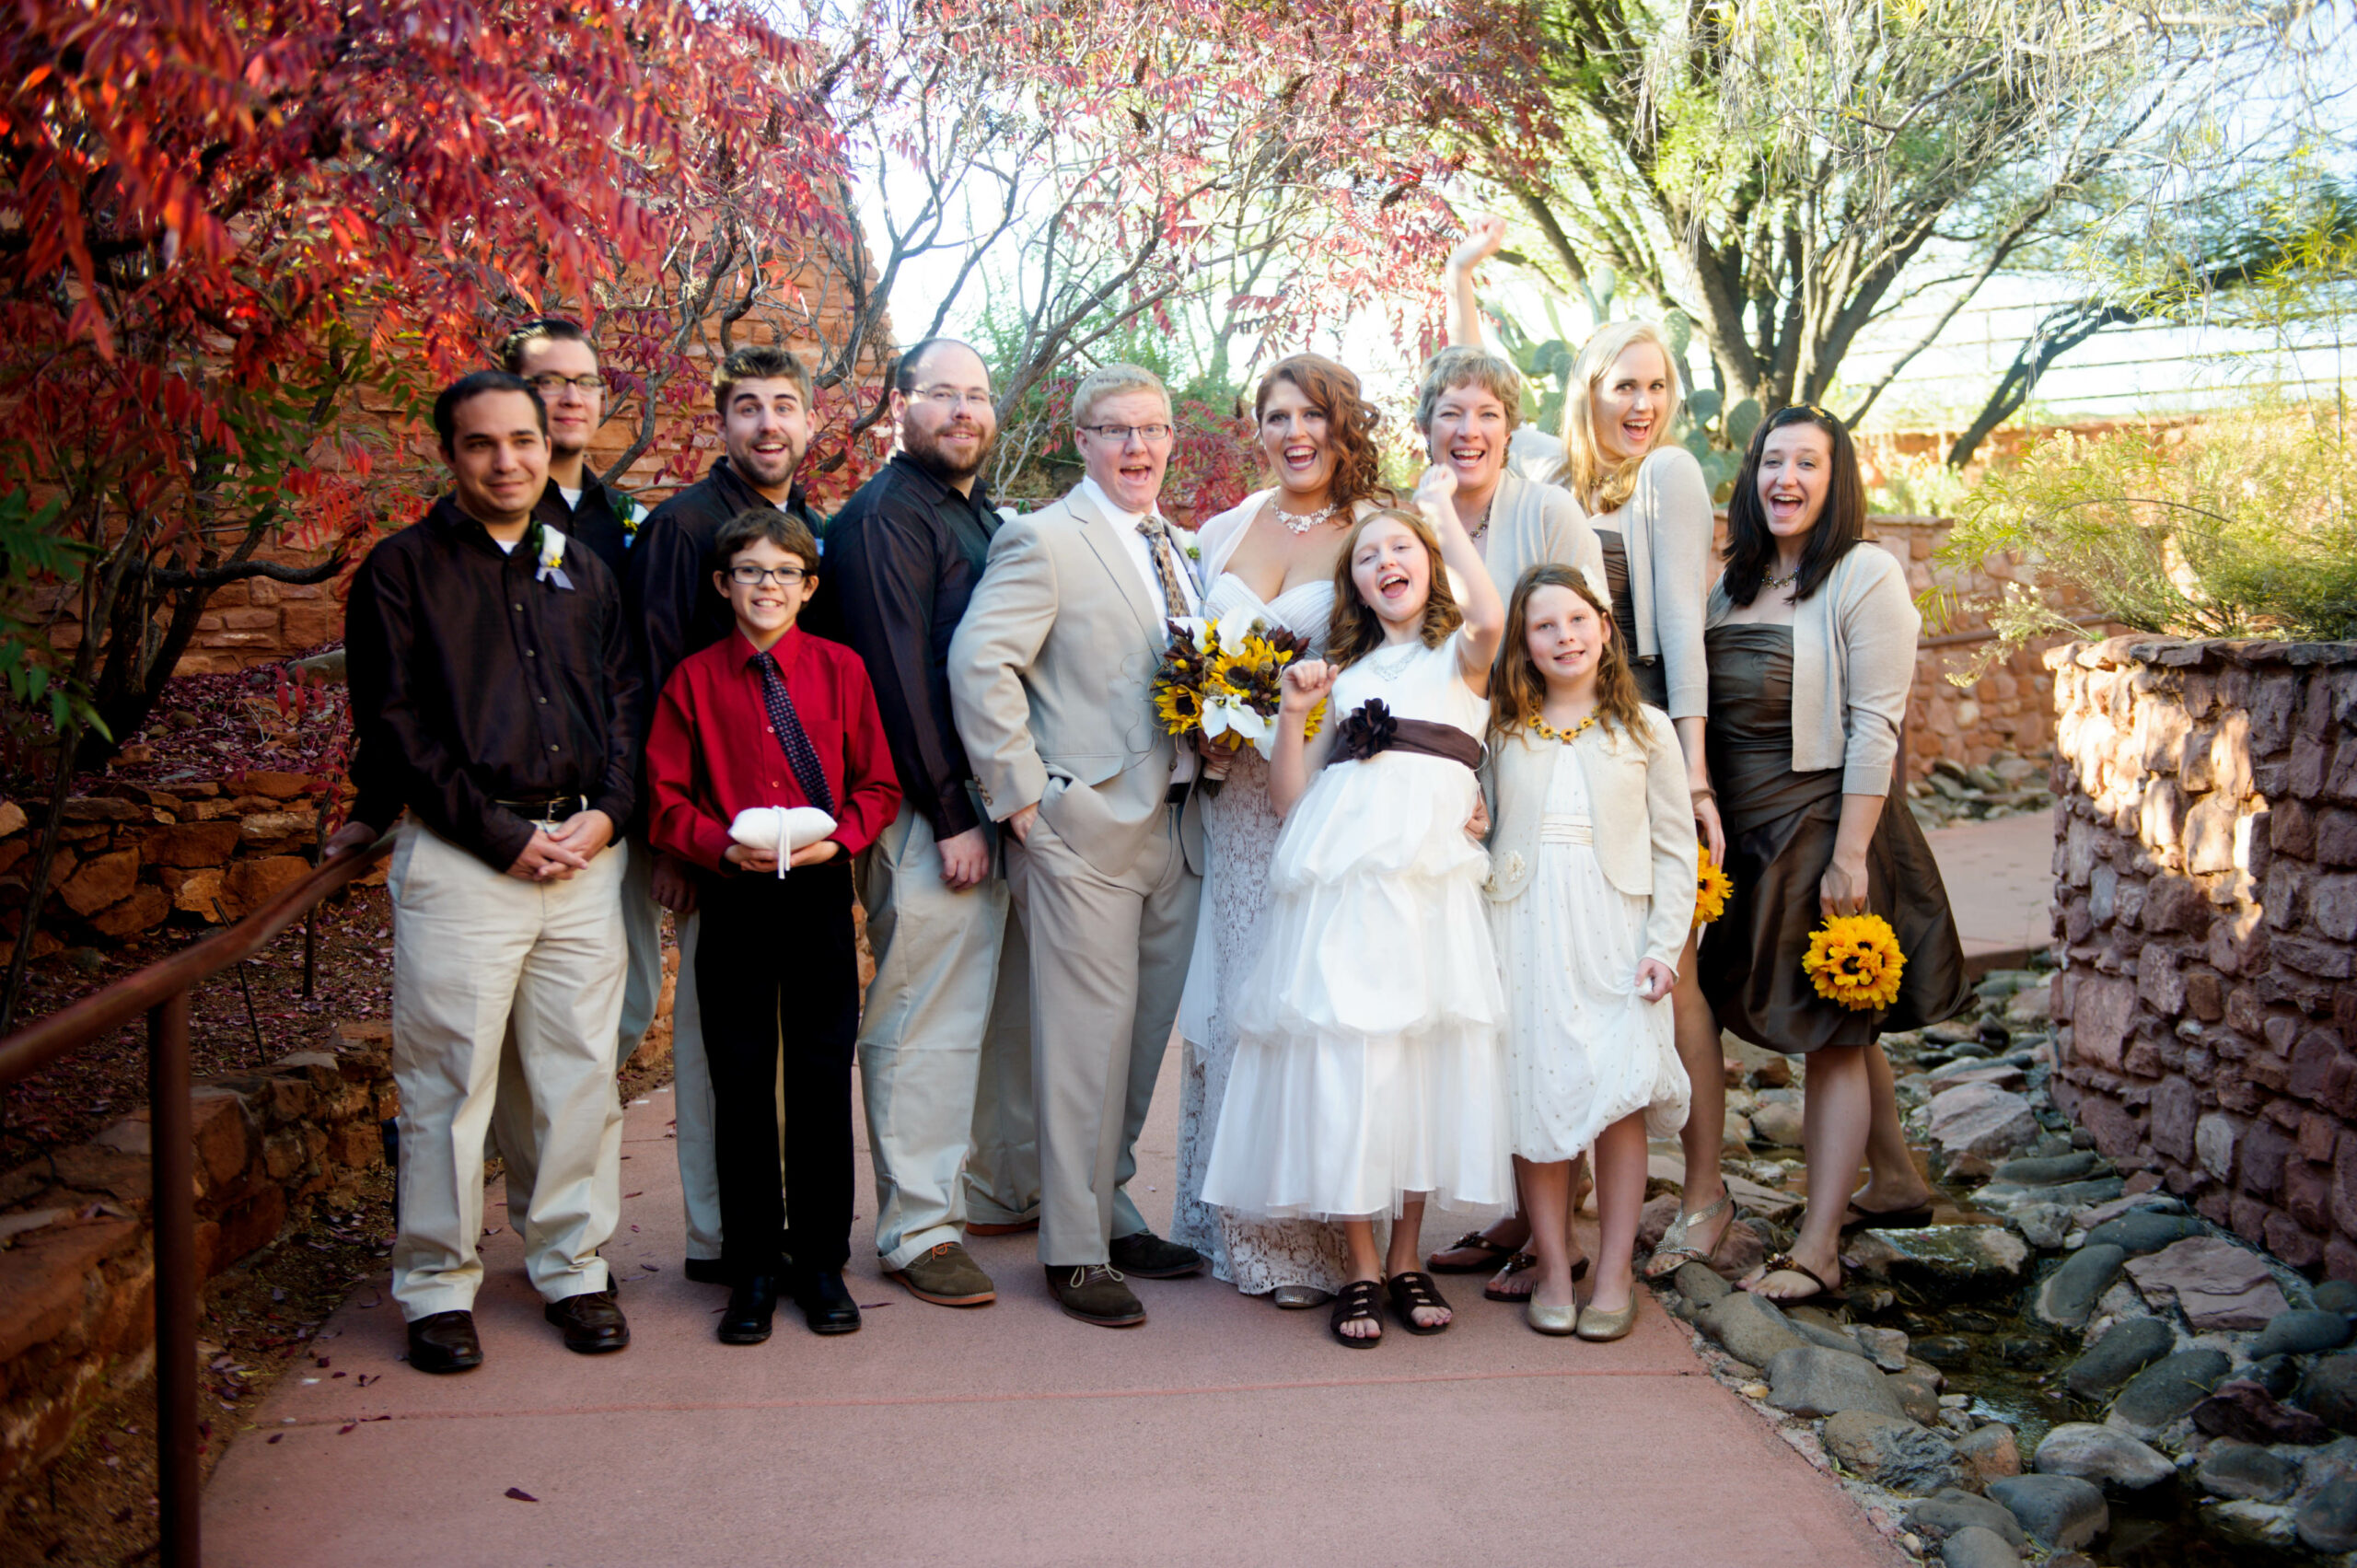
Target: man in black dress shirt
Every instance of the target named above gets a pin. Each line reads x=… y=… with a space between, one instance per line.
x=945 y=1037
x=763 y=397
x=495 y=696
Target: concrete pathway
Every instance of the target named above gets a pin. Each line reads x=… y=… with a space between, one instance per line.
x=1223 y=1431
x=2000 y=878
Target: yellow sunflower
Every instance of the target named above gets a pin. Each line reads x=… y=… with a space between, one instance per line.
x=1314 y=722
x=1853 y=960
x=1711 y=886
x=1180 y=708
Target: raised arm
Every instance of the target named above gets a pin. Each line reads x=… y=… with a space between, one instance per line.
x=1485 y=612
x=1483 y=238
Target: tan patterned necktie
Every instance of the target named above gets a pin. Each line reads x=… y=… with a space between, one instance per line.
x=1165 y=564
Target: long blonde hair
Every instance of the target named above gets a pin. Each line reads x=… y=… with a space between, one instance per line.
x=1517 y=689
x=1599 y=485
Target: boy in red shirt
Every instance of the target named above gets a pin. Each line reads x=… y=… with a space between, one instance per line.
x=773 y=717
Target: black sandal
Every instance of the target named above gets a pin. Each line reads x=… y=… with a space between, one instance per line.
x=1411 y=1291
x=1471 y=1241
x=1828 y=1293
x=1356 y=1303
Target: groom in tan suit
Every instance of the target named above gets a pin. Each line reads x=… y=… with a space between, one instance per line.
x=1051 y=677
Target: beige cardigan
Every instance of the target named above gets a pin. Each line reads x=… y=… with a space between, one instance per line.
x=1853 y=659
x=1665 y=530
x=1637 y=796
x=1531 y=524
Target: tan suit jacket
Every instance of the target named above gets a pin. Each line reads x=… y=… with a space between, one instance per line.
x=1637 y=797
x=1051 y=678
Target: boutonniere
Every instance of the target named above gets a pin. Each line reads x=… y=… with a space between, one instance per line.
x=1194 y=550
x=631 y=514
x=552 y=559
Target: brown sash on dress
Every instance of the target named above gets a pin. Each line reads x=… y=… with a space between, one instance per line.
x=1371 y=728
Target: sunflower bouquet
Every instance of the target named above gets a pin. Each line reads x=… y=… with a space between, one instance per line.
x=1711 y=886
x=1224 y=677
x=1854 y=960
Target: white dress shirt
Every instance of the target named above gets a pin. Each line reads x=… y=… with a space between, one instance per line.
x=1125 y=524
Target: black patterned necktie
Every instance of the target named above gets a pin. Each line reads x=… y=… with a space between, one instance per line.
x=791 y=739
x=1165 y=564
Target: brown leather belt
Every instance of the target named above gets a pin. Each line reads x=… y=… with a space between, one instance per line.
x=1372 y=729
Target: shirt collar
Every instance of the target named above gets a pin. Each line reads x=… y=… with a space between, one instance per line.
x=448 y=515
x=939 y=489
x=1104 y=503
x=783 y=652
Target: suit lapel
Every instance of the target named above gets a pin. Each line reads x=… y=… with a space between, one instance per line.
x=1112 y=552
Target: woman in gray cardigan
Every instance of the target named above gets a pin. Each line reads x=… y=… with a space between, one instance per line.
x=1811 y=638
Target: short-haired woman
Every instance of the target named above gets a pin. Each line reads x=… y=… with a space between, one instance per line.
x=1811 y=638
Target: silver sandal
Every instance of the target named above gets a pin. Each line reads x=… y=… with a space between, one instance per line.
x=1674 y=1252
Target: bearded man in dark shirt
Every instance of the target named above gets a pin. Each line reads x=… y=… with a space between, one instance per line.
x=494 y=697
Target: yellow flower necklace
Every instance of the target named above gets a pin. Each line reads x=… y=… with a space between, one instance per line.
x=1565 y=736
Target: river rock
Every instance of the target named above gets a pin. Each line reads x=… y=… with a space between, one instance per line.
x=1945 y=1513
x=1952 y=1260
x=2336 y=1296
x=1918 y=1389
x=1964 y=1070
x=2214 y=1282
x=2045 y=1170
x=2168 y=1390
x=2061 y=1512
x=1777 y=1123
x=1827 y=1338
x=1990 y=1452
x=1975 y=1547
x=2072 y=1195
x=2129 y=1346
x=1887 y=1348
x=2247 y=1523
x=2327 y=1520
x=1892 y=1451
x=2330 y=1391
x=2067 y=1298
x=2300 y=1332
x=2279 y=1374
x=2102 y=1455
x=1979 y=1119
x=1701 y=1284
x=1812 y=1380
x=2245 y=1410
x=2143 y=1230
x=1747 y=1327
x=2044 y=1225
x=2244 y=1470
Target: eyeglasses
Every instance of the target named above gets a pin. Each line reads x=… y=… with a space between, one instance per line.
x=1151 y=434
x=950 y=397
x=754 y=576
x=552 y=384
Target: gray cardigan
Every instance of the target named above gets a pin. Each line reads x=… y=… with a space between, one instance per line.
x=1853 y=659
x=1665 y=530
x=1531 y=524
x=1637 y=799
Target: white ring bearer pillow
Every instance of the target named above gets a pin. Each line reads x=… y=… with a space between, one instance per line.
x=783 y=829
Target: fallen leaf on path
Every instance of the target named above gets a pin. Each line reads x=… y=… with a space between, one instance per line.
x=520 y=1495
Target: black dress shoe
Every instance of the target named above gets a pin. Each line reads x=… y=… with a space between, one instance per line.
x=826 y=1302
x=1146 y=1256
x=444 y=1342
x=593 y=1324
x=752 y=1304
x=707 y=1272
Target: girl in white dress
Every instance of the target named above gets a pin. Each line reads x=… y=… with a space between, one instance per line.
x=1591 y=892
x=1369 y=1073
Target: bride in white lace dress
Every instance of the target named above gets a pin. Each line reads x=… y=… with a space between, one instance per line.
x=1272 y=556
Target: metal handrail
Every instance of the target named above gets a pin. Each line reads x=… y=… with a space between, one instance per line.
x=160 y=990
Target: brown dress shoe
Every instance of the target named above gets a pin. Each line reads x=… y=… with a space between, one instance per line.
x=592 y=1321
x=947 y=1276
x=445 y=1342
x=1094 y=1292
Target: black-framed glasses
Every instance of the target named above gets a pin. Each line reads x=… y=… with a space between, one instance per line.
x=1151 y=434
x=552 y=384
x=754 y=576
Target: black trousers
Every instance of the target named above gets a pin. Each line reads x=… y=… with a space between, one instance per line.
x=776 y=963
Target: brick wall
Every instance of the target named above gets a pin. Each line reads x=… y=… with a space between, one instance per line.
x=2206 y=895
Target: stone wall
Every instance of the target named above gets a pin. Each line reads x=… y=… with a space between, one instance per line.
x=2206 y=872
x=77 y=1267
x=134 y=857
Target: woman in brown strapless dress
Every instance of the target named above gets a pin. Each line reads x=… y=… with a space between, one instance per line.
x=1811 y=641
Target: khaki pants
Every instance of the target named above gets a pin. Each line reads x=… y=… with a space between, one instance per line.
x=944 y=1049
x=1108 y=959
x=475 y=950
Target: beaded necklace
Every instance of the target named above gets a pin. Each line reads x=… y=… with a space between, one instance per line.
x=1565 y=736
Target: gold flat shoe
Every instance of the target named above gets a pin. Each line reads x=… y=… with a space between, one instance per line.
x=1601 y=1326
x=1548 y=1320
x=1300 y=1298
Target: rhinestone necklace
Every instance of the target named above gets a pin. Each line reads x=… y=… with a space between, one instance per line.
x=1302 y=522
x=1398 y=667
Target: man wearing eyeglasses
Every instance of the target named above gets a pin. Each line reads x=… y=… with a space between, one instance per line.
x=557 y=357
x=945 y=1037
x=1052 y=674
x=763 y=395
